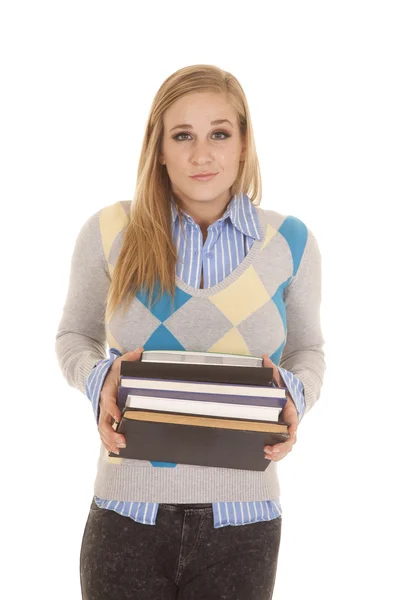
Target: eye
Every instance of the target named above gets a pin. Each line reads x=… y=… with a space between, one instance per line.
x=227 y=135
x=179 y=139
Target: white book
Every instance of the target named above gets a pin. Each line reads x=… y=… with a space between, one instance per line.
x=206 y=388
x=215 y=409
x=201 y=358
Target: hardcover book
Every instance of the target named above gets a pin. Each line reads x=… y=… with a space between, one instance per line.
x=189 y=412
x=209 y=358
x=206 y=441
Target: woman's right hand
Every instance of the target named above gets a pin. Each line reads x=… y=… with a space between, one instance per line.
x=109 y=410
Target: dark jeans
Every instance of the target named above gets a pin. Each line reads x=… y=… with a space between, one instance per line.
x=181 y=557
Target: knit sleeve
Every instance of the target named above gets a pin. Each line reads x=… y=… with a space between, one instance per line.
x=303 y=354
x=81 y=337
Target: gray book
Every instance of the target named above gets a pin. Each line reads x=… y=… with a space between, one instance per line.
x=201 y=358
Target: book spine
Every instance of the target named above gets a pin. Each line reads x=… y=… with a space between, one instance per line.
x=262 y=401
x=213 y=421
x=215 y=409
x=201 y=387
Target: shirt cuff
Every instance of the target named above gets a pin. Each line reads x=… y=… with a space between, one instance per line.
x=296 y=390
x=94 y=382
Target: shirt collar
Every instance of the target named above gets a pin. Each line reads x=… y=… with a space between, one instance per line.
x=240 y=210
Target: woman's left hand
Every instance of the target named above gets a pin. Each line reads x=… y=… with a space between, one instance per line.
x=288 y=414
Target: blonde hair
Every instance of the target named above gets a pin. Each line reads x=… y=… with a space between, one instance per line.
x=148 y=255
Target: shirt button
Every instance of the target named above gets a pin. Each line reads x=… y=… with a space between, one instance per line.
x=209 y=254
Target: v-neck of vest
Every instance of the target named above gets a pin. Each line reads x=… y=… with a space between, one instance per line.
x=235 y=274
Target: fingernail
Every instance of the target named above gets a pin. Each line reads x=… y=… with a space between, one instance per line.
x=275 y=451
x=121 y=445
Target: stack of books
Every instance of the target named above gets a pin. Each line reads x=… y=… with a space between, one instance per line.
x=209 y=409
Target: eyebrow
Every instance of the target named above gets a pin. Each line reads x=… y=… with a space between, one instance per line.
x=187 y=126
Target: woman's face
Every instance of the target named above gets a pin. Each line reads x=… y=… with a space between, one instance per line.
x=193 y=144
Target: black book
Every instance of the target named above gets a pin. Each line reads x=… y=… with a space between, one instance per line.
x=194 y=372
x=194 y=440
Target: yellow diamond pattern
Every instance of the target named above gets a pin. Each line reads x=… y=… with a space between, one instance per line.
x=270 y=233
x=231 y=343
x=112 y=220
x=114 y=459
x=111 y=341
x=242 y=298
x=110 y=459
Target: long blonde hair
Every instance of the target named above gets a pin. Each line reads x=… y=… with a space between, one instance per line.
x=148 y=255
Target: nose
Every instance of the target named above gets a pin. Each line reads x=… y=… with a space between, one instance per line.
x=202 y=151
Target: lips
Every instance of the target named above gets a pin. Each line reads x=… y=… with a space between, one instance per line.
x=203 y=176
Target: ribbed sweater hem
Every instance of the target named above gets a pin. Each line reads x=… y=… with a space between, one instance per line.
x=309 y=390
x=163 y=484
x=85 y=366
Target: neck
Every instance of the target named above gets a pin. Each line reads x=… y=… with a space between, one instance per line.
x=204 y=213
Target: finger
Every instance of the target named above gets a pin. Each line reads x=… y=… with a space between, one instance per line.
x=267 y=361
x=109 y=410
x=107 y=428
x=133 y=355
x=276 y=457
x=105 y=444
x=273 y=450
x=279 y=448
x=109 y=406
x=277 y=377
x=112 y=439
x=112 y=381
x=109 y=447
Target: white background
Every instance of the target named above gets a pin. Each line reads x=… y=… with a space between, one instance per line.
x=322 y=82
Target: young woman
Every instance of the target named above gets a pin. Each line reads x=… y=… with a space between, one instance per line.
x=191 y=263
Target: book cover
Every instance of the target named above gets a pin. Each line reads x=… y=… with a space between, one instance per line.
x=189 y=372
x=197 y=440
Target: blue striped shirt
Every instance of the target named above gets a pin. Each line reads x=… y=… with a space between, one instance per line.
x=228 y=241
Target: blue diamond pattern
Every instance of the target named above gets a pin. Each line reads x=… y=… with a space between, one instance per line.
x=162 y=339
x=163 y=309
x=295 y=233
x=276 y=356
x=162 y=464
